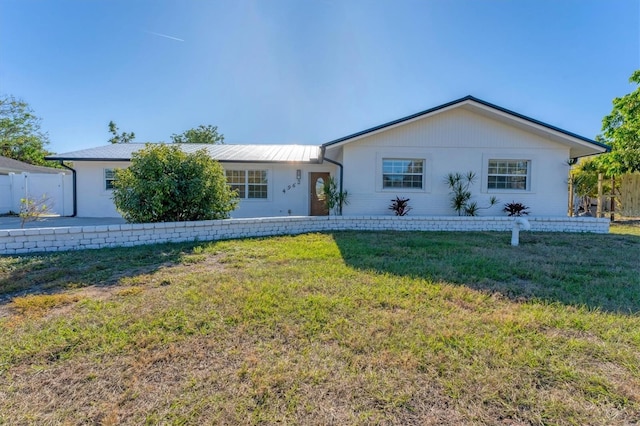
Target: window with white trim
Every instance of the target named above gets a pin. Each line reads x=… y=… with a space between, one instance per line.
x=508 y=174
x=109 y=178
x=402 y=173
x=250 y=184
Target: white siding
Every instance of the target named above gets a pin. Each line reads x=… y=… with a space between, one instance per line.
x=92 y=197
x=286 y=195
x=454 y=141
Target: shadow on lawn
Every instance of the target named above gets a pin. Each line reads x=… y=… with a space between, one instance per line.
x=55 y=272
x=598 y=271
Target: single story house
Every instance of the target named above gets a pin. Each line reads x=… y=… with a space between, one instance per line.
x=515 y=158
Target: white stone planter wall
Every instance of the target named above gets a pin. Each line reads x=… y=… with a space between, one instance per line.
x=17 y=241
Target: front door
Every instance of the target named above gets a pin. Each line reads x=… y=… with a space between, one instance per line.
x=317 y=206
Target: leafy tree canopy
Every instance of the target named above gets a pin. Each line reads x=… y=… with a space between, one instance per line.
x=164 y=184
x=201 y=134
x=621 y=131
x=585 y=177
x=123 y=137
x=20 y=135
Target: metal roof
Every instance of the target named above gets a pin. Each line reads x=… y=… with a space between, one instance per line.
x=223 y=153
x=9 y=165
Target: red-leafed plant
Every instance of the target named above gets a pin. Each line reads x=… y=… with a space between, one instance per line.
x=400 y=206
x=515 y=209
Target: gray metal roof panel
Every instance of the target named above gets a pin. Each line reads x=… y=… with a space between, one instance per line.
x=223 y=153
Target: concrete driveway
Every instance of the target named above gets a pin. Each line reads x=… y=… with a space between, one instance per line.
x=13 y=222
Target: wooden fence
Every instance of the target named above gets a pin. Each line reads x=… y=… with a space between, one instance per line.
x=630 y=195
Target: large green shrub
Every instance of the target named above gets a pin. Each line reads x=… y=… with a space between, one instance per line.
x=164 y=184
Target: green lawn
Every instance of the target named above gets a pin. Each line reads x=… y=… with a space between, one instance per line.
x=338 y=328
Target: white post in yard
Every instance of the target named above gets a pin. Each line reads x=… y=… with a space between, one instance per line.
x=515 y=232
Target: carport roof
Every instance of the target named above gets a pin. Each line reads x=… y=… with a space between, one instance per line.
x=223 y=153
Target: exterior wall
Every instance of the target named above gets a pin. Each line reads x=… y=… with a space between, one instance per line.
x=18 y=241
x=286 y=196
x=454 y=141
x=93 y=199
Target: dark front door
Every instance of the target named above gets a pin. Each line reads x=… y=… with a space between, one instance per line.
x=317 y=206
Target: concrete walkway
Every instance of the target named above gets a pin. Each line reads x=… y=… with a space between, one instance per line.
x=13 y=222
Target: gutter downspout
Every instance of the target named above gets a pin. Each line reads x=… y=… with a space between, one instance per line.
x=75 y=198
x=322 y=158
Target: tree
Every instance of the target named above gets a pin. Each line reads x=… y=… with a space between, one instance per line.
x=201 y=134
x=20 y=135
x=621 y=131
x=123 y=137
x=164 y=184
x=585 y=181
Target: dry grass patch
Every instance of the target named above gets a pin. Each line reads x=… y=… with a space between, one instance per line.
x=38 y=304
x=625 y=227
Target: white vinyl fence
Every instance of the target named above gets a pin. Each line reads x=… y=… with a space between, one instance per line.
x=57 y=189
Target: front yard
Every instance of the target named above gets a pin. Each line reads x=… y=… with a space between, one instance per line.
x=336 y=328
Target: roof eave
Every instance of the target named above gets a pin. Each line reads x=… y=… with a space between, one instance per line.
x=311 y=161
x=487 y=106
x=85 y=159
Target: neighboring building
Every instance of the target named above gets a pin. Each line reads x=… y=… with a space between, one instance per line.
x=515 y=158
x=9 y=165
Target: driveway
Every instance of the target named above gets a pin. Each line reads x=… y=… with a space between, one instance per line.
x=13 y=222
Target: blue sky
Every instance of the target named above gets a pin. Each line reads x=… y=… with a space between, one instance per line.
x=308 y=71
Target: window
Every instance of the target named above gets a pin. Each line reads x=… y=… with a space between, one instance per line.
x=257 y=183
x=250 y=184
x=237 y=181
x=508 y=174
x=401 y=173
x=109 y=178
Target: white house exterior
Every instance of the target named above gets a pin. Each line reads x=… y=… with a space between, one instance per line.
x=272 y=180
x=515 y=158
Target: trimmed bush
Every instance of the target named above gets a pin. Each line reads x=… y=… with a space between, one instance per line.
x=165 y=184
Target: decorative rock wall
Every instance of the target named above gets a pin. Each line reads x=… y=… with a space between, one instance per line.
x=17 y=241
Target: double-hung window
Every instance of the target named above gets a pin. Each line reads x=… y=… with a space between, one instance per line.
x=250 y=184
x=402 y=173
x=509 y=174
x=109 y=178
